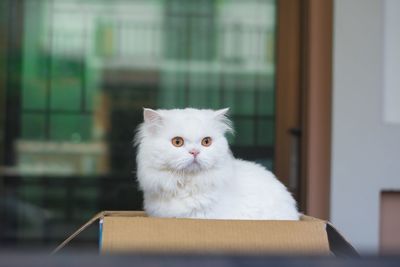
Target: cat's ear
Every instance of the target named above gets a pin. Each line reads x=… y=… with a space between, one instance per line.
x=152 y=120
x=222 y=112
x=151 y=116
x=221 y=115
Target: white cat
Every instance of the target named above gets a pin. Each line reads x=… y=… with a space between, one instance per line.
x=186 y=170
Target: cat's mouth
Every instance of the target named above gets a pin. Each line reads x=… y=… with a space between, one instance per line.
x=193 y=165
x=194 y=162
x=189 y=165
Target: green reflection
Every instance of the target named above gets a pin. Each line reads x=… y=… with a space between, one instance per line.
x=85 y=62
x=90 y=66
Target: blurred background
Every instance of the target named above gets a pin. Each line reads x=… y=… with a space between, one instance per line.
x=311 y=86
x=77 y=75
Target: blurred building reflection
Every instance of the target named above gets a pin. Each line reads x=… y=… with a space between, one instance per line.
x=87 y=70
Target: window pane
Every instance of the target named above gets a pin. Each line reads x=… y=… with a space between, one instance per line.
x=87 y=70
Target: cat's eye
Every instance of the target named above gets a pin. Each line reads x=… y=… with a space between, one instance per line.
x=206 y=141
x=177 y=141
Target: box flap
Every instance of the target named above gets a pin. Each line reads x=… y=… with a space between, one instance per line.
x=338 y=244
x=132 y=231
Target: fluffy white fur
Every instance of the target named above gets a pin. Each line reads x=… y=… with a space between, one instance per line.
x=213 y=185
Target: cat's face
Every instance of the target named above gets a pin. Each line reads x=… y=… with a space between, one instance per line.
x=184 y=140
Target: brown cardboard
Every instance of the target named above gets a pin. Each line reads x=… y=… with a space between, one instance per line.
x=144 y=234
x=130 y=231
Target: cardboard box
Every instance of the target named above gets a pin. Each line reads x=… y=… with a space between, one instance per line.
x=133 y=231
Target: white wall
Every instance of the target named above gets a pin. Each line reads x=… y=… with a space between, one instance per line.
x=391 y=59
x=365 y=149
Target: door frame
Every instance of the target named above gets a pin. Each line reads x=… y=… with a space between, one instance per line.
x=10 y=84
x=304 y=100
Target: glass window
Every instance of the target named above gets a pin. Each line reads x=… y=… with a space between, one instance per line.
x=86 y=70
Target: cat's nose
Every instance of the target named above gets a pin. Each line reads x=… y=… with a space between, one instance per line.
x=194 y=152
